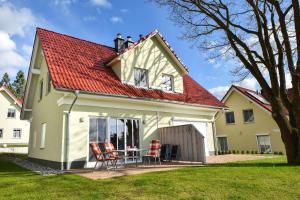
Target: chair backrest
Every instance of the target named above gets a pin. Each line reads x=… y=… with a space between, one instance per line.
x=110 y=148
x=96 y=150
x=154 y=148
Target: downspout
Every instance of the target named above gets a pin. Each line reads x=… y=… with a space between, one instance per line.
x=76 y=92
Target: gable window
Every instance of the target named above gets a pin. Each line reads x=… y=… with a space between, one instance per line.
x=43 y=135
x=248 y=116
x=230 y=117
x=141 y=77
x=11 y=113
x=17 y=133
x=48 y=83
x=41 y=90
x=167 y=82
x=1 y=133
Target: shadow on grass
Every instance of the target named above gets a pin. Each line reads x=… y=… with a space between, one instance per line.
x=256 y=164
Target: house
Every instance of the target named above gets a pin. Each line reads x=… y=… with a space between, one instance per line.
x=13 y=130
x=247 y=125
x=79 y=92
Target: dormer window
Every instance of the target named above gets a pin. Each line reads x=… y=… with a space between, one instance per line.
x=140 y=77
x=167 y=82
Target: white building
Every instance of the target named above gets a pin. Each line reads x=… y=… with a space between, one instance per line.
x=13 y=131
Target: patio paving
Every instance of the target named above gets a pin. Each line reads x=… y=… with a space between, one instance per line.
x=141 y=169
x=233 y=158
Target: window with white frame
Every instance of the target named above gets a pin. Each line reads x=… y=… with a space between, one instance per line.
x=1 y=133
x=264 y=143
x=230 y=117
x=43 y=135
x=167 y=82
x=11 y=113
x=140 y=77
x=17 y=133
x=248 y=115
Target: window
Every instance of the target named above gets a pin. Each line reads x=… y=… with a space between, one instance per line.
x=17 y=133
x=43 y=135
x=264 y=143
x=48 y=83
x=248 y=116
x=222 y=144
x=229 y=117
x=141 y=77
x=1 y=133
x=41 y=90
x=167 y=82
x=11 y=113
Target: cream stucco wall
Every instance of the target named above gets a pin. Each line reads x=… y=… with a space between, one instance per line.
x=80 y=115
x=149 y=55
x=9 y=124
x=46 y=111
x=242 y=136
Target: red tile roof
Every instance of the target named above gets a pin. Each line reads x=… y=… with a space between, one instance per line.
x=19 y=101
x=76 y=64
x=255 y=96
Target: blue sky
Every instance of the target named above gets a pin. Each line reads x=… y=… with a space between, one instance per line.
x=100 y=21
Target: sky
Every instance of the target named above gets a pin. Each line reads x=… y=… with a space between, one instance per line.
x=99 y=21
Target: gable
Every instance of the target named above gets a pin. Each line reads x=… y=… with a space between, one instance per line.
x=152 y=56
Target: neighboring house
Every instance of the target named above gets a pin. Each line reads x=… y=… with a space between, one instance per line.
x=13 y=131
x=79 y=92
x=247 y=125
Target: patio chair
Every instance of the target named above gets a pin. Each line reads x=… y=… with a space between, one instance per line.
x=113 y=154
x=165 y=152
x=100 y=156
x=153 y=152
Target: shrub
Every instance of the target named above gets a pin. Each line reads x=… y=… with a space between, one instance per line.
x=219 y=153
x=256 y=152
x=280 y=153
x=233 y=151
x=247 y=152
x=275 y=153
x=237 y=152
x=242 y=152
x=229 y=152
x=252 y=152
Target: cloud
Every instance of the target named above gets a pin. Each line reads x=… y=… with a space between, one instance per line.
x=9 y=56
x=64 y=5
x=14 y=21
x=219 y=91
x=123 y=10
x=89 y=18
x=116 y=19
x=27 y=49
x=102 y=3
x=249 y=83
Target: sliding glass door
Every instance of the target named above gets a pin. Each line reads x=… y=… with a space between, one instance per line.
x=121 y=132
x=97 y=134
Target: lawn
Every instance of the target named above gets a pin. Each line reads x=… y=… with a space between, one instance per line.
x=262 y=179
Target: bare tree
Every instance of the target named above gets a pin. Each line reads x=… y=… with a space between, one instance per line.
x=264 y=35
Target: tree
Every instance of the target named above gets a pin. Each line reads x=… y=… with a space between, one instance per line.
x=5 y=79
x=264 y=36
x=19 y=84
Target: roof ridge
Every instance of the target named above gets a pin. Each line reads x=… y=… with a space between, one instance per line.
x=70 y=36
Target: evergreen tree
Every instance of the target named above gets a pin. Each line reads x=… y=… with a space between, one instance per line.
x=5 y=80
x=19 y=84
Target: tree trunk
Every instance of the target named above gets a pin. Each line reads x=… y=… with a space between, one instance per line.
x=292 y=143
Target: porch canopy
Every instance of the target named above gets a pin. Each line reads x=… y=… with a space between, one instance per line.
x=190 y=141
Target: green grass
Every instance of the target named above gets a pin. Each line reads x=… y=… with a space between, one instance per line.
x=262 y=179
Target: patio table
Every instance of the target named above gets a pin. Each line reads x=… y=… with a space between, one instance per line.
x=136 y=154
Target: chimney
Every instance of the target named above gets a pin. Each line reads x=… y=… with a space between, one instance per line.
x=119 y=42
x=129 y=42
